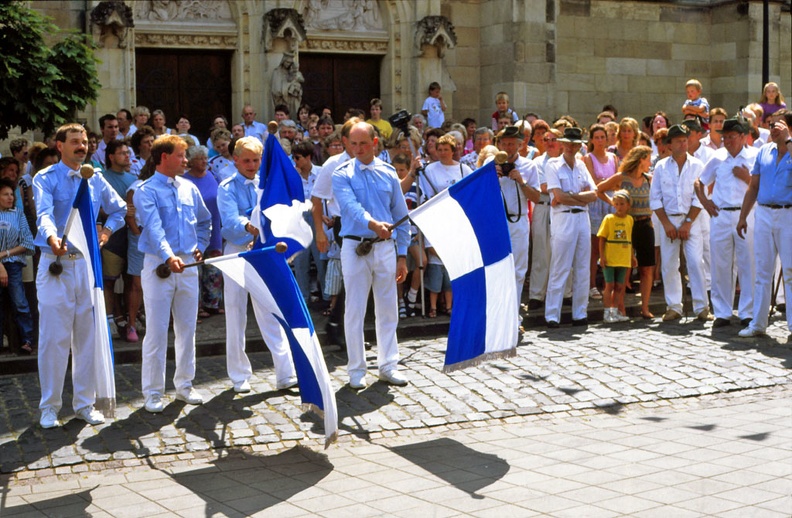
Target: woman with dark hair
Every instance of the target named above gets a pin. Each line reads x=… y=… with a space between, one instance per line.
x=16 y=242
x=634 y=178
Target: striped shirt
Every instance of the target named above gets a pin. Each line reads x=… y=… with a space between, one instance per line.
x=14 y=231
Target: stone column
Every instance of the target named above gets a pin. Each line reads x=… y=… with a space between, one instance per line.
x=112 y=28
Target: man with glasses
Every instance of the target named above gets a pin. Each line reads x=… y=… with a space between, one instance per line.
x=114 y=253
x=482 y=137
x=252 y=127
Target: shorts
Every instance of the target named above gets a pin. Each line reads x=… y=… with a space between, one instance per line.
x=112 y=264
x=436 y=278
x=615 y=274
x=134 y=256
x=334 y=280
x=643 y=242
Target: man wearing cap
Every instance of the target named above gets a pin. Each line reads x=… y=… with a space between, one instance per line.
x=771 y=186
x=519 y=182
x=571 y=189
x=371 y=201
x=672 y=198
x=729 y=170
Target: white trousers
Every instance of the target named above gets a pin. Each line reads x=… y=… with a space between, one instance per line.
x=237 y=362
x=773 y=235
x=176 y=295
x=706 y=255
x=540 y=251
x=65 y=325
x=519 y=233
x=731 y=251
x=672 y=280
x=570 y=244
x=376 y=271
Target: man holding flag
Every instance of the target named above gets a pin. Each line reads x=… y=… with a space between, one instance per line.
x=176 y=227
x=65 y=301
x=371 y=201
x=236 y=200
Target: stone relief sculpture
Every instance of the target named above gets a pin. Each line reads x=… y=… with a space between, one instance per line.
x=174 y=10
x=287 y=84
x=112 y=18
x=347 y=15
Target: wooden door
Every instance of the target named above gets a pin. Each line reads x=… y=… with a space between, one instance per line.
x=193 y=83
x=340 y=81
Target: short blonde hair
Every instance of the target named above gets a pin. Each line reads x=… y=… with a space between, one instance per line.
x=501 y=96
x=448 y=140
x=623 y=194
x=694 y=83
x=251 y=144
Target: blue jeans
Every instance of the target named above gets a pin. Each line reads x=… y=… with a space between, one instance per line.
x=16 y=292
x=302 y=265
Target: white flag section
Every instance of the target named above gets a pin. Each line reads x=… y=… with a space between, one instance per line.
x=82 y=234
x=266 y=275
x=466 y=225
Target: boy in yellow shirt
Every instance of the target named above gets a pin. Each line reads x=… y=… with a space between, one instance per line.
x=616 y=255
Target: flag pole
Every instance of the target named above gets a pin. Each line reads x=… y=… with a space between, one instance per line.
x=56 y=268
x=164 y=271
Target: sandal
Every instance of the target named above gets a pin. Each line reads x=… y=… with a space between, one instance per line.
x=447 y=312
x=202 y=313
x=432 y=313
x=402 y=311
x=27 y=348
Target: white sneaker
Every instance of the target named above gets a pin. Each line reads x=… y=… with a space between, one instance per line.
x=288 y=383
x=154 y=403
x=90 y=415
x=618 y=317
x=393 y=377
x=49 y=418
x=750 y=332
x=242 y=387
x=357 y=380
x=595 y=294
x=189 y=396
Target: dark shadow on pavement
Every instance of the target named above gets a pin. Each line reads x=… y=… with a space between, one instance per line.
x=461 y=466
x=41 y=448
x=353 y=405
x=74 y=504
x=243 y=484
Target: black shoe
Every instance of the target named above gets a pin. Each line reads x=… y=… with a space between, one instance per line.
x=567 y=301
x=781 y=308
x=580 y=323
x=552 y=324
x=722 y=322
x=745 y=322
x=535 y=304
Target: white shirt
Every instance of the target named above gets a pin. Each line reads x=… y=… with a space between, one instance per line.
x=438 y=177
x=560 y=176
x=671 y=189
x=323 y=186
x=729 y=190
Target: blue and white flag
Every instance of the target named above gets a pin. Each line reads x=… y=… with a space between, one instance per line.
x=281 y=202
x=265 y=274
x=81 y=229
x=466 y=225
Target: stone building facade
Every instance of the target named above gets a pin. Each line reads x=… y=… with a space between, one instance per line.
x=552 y=56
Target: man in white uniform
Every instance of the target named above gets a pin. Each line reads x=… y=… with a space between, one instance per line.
x=673 y=200
x=729 y=170
x=571 y=189
x=236 y=198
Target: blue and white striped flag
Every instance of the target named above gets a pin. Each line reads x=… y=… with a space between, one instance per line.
x=281 y=202
x=265 y=274
x=82 y=234
x=466 y=225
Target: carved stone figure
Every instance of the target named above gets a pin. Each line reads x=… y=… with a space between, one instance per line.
x=287 y=84
x=346 y=15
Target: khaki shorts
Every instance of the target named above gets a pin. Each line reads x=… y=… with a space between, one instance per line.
x=112 y=264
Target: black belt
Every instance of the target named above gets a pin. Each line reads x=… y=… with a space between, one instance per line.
x=770 y=206
x=675 y=215
x=642 y=218
x=730 y=208
x=358 y=238
x=542 y=203
x=574 y=211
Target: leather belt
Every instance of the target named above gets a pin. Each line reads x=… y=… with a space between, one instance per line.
x=574 y=211
x=641 y=218
x=773 y=206
x=71 y=256
x=358 y=238
x=730 y=208
x=675 y=215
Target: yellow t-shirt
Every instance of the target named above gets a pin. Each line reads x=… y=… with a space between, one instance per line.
x=383 y=126
x=618 y=240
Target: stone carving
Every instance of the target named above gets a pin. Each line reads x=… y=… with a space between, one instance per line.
x=284 y=23
x=111 y=17
x=287 y=83
x=342 y=15
x=185 y=40
x=436 y=31
x=175 y=10
x=373 y=47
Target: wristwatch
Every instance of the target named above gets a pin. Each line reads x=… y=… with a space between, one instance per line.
x=688 y=220
x=788 y=141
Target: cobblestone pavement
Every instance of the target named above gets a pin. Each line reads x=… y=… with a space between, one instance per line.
x=560 y=371
x=721 y=454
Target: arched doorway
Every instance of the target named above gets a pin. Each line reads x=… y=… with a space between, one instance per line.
x=340 y=81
